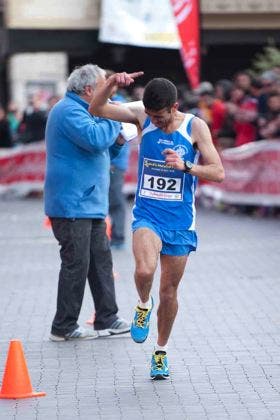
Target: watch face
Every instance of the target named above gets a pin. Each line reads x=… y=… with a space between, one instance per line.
x=188 y=165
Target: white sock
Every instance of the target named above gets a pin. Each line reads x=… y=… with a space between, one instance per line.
x=145 y=305
x=161 y=348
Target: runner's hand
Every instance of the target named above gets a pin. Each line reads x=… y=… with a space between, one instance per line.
x=173 y=160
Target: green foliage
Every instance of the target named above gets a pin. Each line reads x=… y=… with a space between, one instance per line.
x=269 y=58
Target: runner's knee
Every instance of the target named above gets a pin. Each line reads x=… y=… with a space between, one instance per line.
x=144 y=272
x=168 y=294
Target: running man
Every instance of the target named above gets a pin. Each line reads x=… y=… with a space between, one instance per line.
x=164 y=212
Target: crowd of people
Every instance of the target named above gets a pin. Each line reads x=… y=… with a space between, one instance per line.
x=25 y=126
x=237 y=111
x=240 y=110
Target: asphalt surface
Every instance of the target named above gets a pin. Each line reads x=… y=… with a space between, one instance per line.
x=224 y=352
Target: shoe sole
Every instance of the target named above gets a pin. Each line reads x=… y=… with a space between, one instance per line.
x=159 y=377
x=137 y=341
x=117 y=332
x=56 y=339
x=108 y=333
x=59 y=339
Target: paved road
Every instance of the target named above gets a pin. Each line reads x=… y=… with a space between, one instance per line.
x=225 y=349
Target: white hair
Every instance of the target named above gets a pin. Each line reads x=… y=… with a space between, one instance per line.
x=83 y=76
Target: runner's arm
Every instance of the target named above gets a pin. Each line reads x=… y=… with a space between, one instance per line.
x=211 y=168
x=101 y=107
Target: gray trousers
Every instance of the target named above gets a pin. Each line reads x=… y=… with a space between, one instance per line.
x=85 y=253
x=117 y=205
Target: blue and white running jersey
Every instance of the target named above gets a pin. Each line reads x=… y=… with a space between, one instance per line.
x=165 y=196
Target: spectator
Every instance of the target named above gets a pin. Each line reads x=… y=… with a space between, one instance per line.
x=204 y=92
x=212 y=109
x=222 y=89
x=52 y=101
x=32 y=127
x=137 y=93
x=76 y=200
x=225 y=134
x=257 y=92
x=5 y=132
x=191 y=104
x=269 y=123
x=243 y=109
x=14 y=117
x=243 y=80
x=117 y=207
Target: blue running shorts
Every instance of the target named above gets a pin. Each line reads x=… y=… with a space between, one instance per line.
x=174 y=242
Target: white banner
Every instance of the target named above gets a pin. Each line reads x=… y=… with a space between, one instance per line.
x=145 y=23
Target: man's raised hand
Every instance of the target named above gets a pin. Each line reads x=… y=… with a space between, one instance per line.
x=125 y=79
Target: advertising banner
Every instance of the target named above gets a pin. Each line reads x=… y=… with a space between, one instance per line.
x=22 y=169
x=252 y=175
x=174 y=24
x=186 y=14
x=144 y=23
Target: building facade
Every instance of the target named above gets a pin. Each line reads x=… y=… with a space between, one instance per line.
x=41 y=42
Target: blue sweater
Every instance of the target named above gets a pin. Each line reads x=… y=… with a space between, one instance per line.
x=79 y=147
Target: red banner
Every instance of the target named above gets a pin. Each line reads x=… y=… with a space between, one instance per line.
x=22 y=169
x=252 y=175
x=186 y=14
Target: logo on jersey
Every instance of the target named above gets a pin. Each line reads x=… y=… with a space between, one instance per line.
x=181 y=150
x=165 y=141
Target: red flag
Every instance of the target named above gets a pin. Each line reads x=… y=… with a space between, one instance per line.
x=186 y=14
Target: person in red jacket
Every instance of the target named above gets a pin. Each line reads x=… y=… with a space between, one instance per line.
x=244 y=111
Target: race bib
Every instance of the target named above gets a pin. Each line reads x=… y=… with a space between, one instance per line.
x=160 y=182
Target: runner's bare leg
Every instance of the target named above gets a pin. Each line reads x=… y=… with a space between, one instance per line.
x=172 y=270
x=146 y=249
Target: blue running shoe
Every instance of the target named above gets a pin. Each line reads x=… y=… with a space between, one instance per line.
x=140 y=325
x=159 y=366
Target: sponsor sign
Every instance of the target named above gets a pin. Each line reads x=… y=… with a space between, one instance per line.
x=252 y=175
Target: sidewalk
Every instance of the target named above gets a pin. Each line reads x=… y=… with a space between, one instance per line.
x=224 y=352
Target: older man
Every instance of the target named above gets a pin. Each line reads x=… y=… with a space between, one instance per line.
x=79 y=147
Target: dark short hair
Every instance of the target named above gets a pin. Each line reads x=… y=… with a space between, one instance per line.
x=159 y=93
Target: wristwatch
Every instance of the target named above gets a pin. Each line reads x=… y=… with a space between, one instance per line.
x=188 y=166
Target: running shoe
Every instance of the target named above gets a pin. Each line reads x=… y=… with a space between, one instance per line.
x=159 y=366
x=119 y=326
x=79 y=333
x=140 y=325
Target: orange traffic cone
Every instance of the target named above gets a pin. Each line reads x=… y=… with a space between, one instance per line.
x=91 y=320
x=47 y=223
x=16 y=381
x=108 y=227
